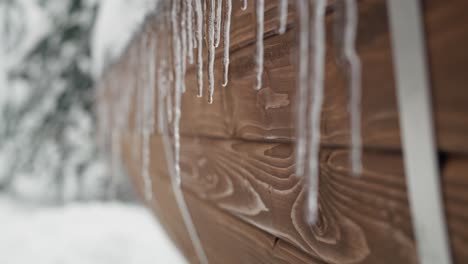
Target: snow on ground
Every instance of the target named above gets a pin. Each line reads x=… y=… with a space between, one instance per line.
x=94 y=233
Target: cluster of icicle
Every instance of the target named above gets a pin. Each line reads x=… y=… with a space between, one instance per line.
x=162 y=64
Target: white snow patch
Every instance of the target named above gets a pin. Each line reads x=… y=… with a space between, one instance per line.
x=95 y=233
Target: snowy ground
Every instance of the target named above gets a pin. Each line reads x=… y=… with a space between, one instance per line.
x=92 y=233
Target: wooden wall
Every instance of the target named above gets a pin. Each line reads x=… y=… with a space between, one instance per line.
x=238 y=153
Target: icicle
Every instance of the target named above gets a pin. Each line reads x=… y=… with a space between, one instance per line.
x=148 y=121
x=219 y=5
x=227 y=30
x=179 y=195
x=145 y=174
x=169 y=72
x=177 y=91
x=303 y=83
x=199 y=12
x=163 y=84
x=194 y=25
x=211 y=54
x=283 y=15
x=205 y=31
x=175 y=169
x=138 y=103
x=244 y=5
x=152 y=83
x=317 y=75
x=162 y=93
x=183 y=31
x=169 y=97
x=354 y=75
x=189 y=10
x=260 y=29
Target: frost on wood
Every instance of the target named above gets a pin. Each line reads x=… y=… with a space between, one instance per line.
x=260 y=30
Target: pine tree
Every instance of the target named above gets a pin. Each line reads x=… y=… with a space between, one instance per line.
x=46 y=138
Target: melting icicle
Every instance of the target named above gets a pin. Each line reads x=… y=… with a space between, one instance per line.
x=189 y=10
x=148 y=121
x=170 y=73
x=354 y=76
x=199 y=12
x=169 y=97
x=260 y=30
x=162 y=93
x=317 y=75
x=139 y=82
x=164 y=79
x=244 y=5
x=145 y=174
x=183 y=34
x=152 y=83
x=211 y=53
x=178 y=89
x=227 y=30
x=219 y=5
x=175 y=169
x=283 y=15
x=179 y=195
x=302 y=94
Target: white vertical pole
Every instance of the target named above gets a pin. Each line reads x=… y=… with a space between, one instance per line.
x=417 y=131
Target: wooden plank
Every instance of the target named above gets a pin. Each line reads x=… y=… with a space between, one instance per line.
x=455 y=170
x=362 y=220
x=250 y=186
x=267 y=115
x=225 y=238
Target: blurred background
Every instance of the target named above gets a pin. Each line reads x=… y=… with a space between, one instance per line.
x=59 y=202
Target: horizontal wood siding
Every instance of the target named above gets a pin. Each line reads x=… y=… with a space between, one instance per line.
x=237 y=154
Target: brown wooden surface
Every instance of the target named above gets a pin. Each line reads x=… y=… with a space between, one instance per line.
x=238 y=159
x=241 y=112
x=362 y=220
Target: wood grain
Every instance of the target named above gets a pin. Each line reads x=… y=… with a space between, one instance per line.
x=226 y=239
x=237 y=154
x=362 y=220
x=268 y=114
